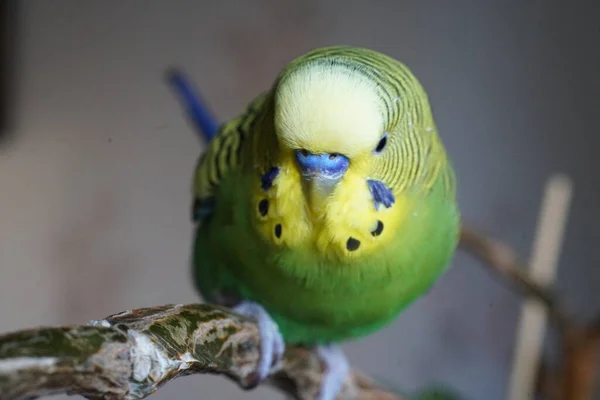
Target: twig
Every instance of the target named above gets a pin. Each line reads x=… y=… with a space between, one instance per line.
x=575 y=377
x=531 y=328
x=502 y=260
x=132 y=354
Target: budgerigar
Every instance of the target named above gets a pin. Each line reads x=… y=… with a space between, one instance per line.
x=326 y=207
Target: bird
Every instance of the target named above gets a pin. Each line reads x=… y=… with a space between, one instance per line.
x=326 y=207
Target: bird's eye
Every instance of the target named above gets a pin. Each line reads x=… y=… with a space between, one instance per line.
x=382 y=143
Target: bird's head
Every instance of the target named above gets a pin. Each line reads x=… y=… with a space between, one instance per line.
x=332 y=117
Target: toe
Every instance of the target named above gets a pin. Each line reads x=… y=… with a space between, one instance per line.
x=272 y=345
x=337 y=368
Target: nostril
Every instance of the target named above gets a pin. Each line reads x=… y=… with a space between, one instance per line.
x=304 y=153
x=333 y=156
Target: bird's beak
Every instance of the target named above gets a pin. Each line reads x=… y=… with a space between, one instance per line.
x=320 y=175
x=326 y=166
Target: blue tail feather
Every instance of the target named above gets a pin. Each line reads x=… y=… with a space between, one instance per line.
x=195 y=105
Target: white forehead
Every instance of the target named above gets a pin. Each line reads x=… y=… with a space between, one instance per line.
x=323 y=108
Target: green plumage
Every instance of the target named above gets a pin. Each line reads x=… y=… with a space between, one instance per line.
x=321 y=293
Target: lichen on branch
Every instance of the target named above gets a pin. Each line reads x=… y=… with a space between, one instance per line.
x=132 y=354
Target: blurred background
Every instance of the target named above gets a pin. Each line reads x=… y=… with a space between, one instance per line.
x=96 y=157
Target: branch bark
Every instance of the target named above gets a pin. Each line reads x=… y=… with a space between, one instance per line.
x=130 y=355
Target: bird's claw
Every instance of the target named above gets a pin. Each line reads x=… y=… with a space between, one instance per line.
x=272 y=345
x=337 y=367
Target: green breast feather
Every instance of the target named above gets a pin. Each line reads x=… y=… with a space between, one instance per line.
x=331 y=304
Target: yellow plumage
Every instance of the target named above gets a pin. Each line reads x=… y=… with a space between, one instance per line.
x=348 y=211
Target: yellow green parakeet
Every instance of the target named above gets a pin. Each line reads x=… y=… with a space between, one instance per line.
x=327 y=206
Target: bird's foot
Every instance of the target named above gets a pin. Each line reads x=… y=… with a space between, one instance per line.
x=272 y=345
x=337 y=367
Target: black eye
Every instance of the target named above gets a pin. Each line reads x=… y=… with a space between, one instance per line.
x=382 y=143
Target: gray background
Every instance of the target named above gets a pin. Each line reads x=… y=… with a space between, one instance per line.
x=95 y=181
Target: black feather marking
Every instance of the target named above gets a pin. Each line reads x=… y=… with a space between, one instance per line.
x=263 y=207
x=278 y=230
x=378 y=230
x=266 y=179
x=228 y=155
x=241 y=137
x=216 y=164
x=381 y=193
x=352 y=244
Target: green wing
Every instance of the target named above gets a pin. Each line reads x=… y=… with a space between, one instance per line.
x=223 y=155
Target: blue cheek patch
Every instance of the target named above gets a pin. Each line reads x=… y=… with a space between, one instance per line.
x=266 y=179
x=381 y=193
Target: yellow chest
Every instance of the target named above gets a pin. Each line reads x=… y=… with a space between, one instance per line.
x=344 y=227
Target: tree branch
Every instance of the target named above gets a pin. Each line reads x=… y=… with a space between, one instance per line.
x=132 y=354
x=503 y=261
x=574 y=378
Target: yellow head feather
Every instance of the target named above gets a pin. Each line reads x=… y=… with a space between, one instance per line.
x=326 y=109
